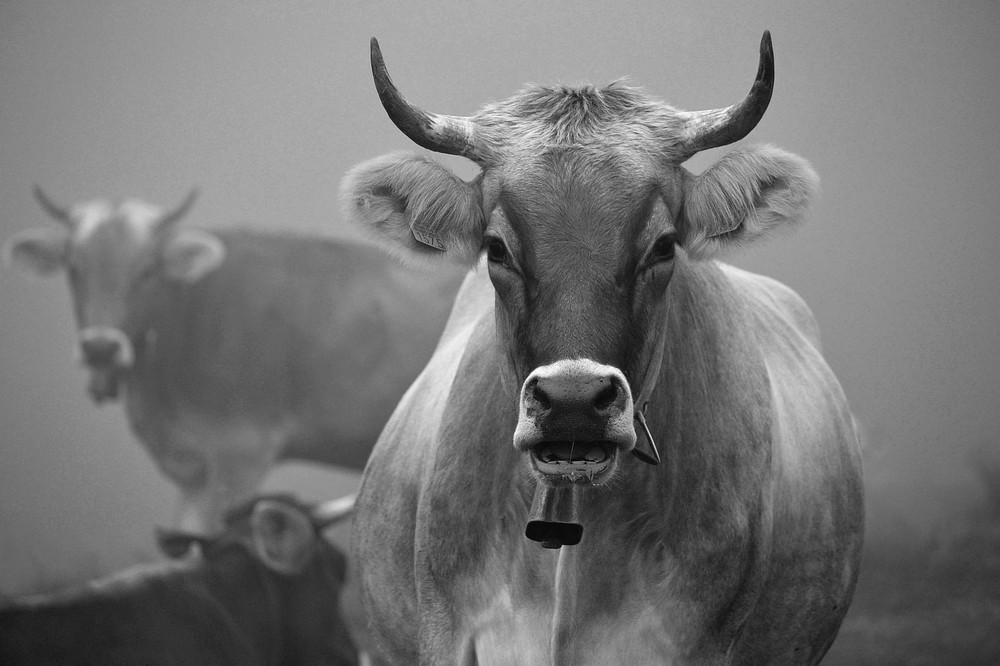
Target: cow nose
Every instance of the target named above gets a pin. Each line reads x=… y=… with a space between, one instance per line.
x=575 y=400
x=100 y=351
x=105 y=347
x=597 y=394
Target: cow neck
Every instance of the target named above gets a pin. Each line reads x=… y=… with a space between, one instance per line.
x=567 y=586
x=650 y=455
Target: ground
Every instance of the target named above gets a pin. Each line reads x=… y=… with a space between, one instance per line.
x=935 y=602
x=931 y=598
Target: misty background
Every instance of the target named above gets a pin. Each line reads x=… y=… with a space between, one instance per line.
x=264 y=105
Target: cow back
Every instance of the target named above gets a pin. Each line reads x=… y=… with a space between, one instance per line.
x=312 y=338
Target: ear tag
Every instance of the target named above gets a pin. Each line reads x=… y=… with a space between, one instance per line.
x=427 y=238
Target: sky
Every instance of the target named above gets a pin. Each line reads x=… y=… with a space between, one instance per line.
x=263 y=106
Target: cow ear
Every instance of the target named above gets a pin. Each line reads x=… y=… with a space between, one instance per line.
x=191 y=254
x=745 y=196
x=283 y=537
x=416 y=209
x=40 y=252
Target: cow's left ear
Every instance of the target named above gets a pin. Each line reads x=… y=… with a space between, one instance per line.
x=745 y=196
x=283 y=537
x=192 y=254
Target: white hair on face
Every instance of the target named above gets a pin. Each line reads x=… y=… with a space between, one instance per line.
x=140 y=216
x=89 y=216
x=745 y=196
x=425 y=211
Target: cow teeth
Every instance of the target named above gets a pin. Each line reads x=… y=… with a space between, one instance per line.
x=595 y=454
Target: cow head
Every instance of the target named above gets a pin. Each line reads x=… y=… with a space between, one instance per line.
x=585 y=215
x=117 y=259
x=281 y=537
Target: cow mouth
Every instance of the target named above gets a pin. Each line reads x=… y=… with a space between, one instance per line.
x=103 y=384
x=107 y=353
x=574 y=461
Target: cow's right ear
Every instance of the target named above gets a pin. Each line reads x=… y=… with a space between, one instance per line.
x=39 y=252
x=283 y=537
x=192 y=254
x=417 y=209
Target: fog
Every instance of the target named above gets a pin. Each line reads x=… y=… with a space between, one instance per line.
x=263 y=106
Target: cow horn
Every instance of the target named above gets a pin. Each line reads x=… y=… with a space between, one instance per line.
x=451 y=135
x=720 y=127
x=179 y=212
x=333 y=511
x=57 y=212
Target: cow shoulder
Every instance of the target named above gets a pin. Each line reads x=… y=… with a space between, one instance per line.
x=777 y=299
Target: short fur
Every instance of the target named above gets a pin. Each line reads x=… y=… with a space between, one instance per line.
x=623 y=118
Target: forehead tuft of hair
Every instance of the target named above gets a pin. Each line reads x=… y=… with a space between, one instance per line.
x=139 y=211
x=132 y=215
x=617 y=117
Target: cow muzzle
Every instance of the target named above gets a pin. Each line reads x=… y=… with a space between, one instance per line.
x=576 y=417
x=108 y=354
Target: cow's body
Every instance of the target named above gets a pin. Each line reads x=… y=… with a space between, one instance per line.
x=605 y=328
x=226 y=606
x=294 y=348
x=288 y=347
x=735 y=544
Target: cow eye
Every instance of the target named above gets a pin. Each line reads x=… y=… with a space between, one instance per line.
x=663 y=249
x=496 y=251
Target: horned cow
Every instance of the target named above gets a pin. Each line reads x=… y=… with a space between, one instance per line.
x=662 y=423
x=235 y=348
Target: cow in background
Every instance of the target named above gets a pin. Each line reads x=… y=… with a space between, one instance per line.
x=264 y=591
x=663 y=424
x=235 y=348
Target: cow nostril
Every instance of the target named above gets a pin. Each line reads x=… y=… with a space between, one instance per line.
x=541 y=397
x=606 y=397
x=100 y=350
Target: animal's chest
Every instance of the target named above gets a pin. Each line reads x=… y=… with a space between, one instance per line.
x=184 y=440
x=549 y=607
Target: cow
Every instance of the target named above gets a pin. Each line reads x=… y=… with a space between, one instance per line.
x=600 y=323
x=266 y=590
x=236 y=348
